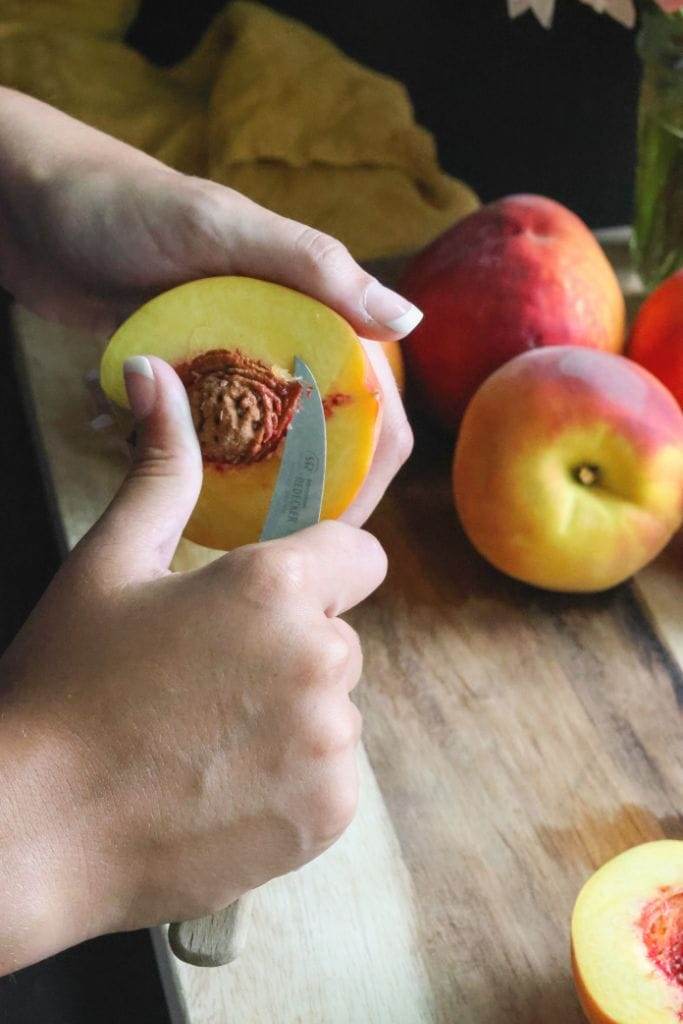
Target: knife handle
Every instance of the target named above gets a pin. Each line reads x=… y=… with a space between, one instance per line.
x=214 y=940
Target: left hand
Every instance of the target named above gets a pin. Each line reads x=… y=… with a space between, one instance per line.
x=90 y=228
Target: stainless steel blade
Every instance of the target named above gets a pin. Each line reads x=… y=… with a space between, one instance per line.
x=297 y=498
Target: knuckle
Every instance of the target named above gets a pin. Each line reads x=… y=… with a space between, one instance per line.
x=153 y=461
x=375 y=553
x=340 y=539
x=201 y=205
x=375 y=543
x=334 y=733
x=275 y=573
x=351 y=637
x=333 y=531
x=333 y=657
x=197 y=187
x=324 y=659
x=354 y=648
x=321 y=251
x=404 y=443
x=205 y=213
x=316 y=665
x=333 y=809
x=215 y=193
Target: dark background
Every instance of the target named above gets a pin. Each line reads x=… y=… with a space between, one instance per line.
x=513 y=107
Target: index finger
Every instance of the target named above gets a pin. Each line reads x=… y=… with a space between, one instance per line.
x=395 y=441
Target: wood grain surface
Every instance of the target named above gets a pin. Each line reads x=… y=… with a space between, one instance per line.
x=513 y=741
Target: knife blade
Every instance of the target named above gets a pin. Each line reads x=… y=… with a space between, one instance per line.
x=298 y=495
x=296 y=503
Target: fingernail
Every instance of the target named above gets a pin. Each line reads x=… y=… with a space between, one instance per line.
x=390 y=309
x=140 y=385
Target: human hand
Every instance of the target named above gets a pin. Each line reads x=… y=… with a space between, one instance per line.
x=90 y=228
x=182 y=737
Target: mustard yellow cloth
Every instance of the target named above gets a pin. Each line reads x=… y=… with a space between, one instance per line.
x=263 y=104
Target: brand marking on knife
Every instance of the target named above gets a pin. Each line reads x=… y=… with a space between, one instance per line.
x=297 y=498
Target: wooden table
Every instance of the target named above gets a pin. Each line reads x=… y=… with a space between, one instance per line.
x=514 y=740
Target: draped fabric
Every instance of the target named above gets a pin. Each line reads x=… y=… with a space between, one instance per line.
x=263 y=104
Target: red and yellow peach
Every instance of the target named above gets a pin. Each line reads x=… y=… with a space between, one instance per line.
x=656 y=340
x=518 y=274
x=568 y=471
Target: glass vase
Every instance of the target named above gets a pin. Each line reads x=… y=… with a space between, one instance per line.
x=658 y=223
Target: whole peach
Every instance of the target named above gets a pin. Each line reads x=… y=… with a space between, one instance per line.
x=657 y=337
x=518 y=274
x=568 y=471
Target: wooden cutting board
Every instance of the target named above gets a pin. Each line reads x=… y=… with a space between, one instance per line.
x=514 y=740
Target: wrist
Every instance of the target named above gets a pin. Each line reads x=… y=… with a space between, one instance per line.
x=46 y=157
x=57 y=889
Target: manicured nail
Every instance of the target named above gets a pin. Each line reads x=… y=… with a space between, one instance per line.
x=390 y=309
x=140 y=385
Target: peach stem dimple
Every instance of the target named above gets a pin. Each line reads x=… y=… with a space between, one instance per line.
x=587 y=474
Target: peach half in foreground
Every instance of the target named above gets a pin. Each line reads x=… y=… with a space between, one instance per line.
x=627 y=938
x=233 y=341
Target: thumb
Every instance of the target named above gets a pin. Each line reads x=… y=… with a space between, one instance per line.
x=319 y=265
x=263 y=244
x=141 y=528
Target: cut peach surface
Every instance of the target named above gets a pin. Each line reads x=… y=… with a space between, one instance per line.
x=392 y=351
x=233 y=341
x=627 y=938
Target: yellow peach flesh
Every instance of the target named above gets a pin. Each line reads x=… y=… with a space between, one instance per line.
x=271 y=324
x=617 y=978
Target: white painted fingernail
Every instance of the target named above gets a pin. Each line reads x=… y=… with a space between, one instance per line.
x=390 y=309
x=407 y=322
x=138 y=364
x=140 y=386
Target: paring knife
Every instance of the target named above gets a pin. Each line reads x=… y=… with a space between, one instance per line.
x=219 y=938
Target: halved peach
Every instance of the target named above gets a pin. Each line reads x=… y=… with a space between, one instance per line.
x=233 y=341
x=627 y=938
x=394 y=354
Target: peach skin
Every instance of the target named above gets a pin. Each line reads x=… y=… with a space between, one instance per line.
x=656 y=340
x=521 y=273
x=568 y=471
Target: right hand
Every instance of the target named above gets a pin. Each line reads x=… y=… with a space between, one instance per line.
x=200 y=733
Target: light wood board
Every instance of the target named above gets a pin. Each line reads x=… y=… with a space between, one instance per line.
x=514 y=740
